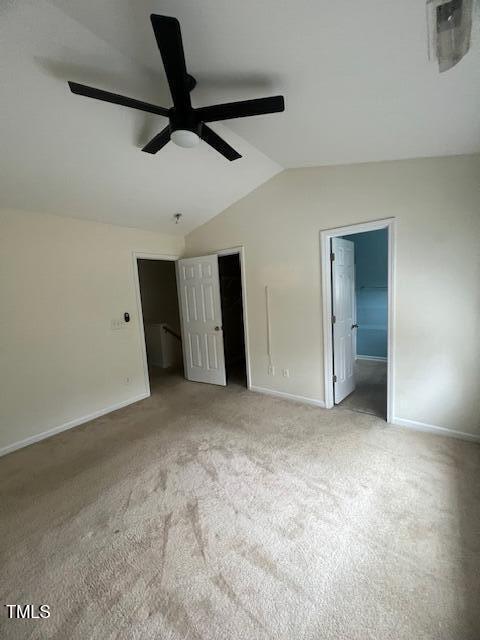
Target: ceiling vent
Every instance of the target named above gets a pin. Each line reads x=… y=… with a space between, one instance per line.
x=449 y=30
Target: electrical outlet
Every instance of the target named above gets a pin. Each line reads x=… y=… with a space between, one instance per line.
x=285 y=373
x=271 y=370
x=127 y=380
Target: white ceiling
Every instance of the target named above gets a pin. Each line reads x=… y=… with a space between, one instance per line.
x=355 y=75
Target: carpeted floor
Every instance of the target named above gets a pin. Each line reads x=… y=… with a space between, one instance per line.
x=221 y=514
x=370 y=395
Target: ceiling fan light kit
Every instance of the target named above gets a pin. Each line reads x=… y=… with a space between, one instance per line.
x=184 y=138
x=449 y=31
x=187 y=125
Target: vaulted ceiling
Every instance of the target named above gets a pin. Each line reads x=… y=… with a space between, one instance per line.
x=355 y=75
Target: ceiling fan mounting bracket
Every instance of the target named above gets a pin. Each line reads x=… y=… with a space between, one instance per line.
x=191 y=82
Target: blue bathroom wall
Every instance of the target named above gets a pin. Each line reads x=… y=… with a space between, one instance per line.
x=371 y=281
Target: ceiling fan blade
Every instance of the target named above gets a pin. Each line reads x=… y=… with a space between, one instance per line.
x=219 y=144
x=115 y=98
x=169 y=41
x=159 y=141
x=241 y=109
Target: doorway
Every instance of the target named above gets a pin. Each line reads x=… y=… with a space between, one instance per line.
x=358 y=298
x=161 y=320
x=360 y=378
x=231 y=298
x=213 y=318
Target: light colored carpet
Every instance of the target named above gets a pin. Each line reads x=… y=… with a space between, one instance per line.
x=370 y=395
x=221 y=514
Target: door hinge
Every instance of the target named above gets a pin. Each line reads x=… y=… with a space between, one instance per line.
x=334 y=378
x=334 y=319
x=332 y=257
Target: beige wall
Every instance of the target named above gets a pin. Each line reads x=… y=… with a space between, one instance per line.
x=62 y=281
x=437 y=205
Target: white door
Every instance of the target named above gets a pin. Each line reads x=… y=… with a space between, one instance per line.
x=201 y=313
x=343 y=311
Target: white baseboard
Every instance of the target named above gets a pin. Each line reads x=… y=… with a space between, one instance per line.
x=431 y=428
x=374 y=358
x=69 y=425
x=288 y=396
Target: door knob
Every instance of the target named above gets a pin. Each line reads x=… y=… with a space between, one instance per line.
x=355 y=326
x=217 y=328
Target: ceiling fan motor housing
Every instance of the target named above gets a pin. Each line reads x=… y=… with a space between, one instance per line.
x=187 y=121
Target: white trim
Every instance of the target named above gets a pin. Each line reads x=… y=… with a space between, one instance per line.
x=325 y=236
x=391 y=301
x=269 y=330
x=372 y=358
x=141 y=255
x=231 y=251
x=241 y=253
x=288 y=396
x=70 y=424
x=138 y=255
x=431 y=428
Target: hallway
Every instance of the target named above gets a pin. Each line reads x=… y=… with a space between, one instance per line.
x=370 y=395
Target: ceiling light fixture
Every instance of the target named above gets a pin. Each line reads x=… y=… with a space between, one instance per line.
x=184 y=138
x=449 y=29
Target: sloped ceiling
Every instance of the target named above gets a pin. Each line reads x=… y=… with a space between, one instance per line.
x=356 y=77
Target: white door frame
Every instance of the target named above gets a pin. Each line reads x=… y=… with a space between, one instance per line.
x=241 y=253
x=159 y=256
x=138 y=255
x=326 y=266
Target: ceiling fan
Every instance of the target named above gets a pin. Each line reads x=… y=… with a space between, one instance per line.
x=186 y=124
